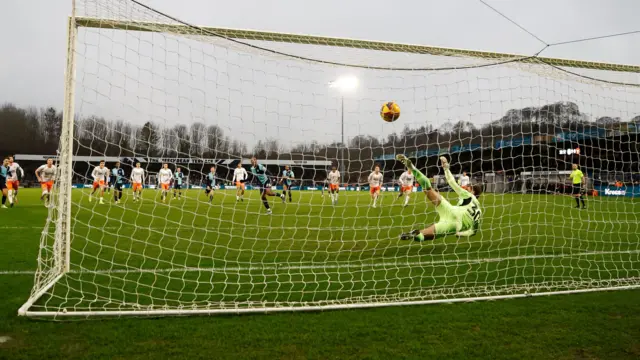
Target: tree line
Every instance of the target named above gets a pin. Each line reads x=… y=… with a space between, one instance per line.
x=37 y=131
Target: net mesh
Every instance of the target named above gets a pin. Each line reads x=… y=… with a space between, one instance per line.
x=151 y=89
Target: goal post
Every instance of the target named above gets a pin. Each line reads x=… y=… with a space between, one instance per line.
x=144 y=87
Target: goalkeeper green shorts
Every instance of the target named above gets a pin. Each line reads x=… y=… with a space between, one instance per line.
x=448 y=223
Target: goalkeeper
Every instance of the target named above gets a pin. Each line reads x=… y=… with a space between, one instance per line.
x=461 y=220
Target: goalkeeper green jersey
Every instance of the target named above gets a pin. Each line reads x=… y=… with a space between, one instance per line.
x=462 y=218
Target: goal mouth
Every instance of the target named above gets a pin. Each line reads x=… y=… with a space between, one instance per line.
x=214 y=118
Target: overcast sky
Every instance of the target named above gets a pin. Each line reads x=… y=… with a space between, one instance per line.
x=169 y=79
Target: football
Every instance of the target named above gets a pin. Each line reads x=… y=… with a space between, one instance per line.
x=390 y=111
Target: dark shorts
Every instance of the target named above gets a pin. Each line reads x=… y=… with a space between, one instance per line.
x=3 y=184
x=117 y=186
x=208 y=189
x=263 y=187
x=287 y=185
x=576 y=190
x=177 y=186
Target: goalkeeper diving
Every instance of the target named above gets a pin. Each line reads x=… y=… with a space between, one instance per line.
x=462 y=219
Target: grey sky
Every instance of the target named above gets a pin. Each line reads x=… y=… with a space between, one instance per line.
x=259 y=96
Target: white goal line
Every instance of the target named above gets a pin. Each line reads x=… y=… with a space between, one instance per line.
x=389 y=265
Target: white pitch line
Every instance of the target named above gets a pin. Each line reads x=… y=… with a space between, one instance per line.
x=386 y=265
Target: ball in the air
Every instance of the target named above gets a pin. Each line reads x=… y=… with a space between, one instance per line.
x=390 y=111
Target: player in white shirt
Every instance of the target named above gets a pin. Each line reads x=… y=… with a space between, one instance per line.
x=137 y=179
x=240 y=175
x=464 y=181
x=46 y=175
x=13 y=180
x=333 y=178
x=100 y=174
x=165 y=176
x=375 y=182
x=406 y=186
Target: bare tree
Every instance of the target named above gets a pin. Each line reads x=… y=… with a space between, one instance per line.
x=170 y=142
x=215 y=136
x=51 y=126
x=198 y=136
x=184 y=143
x=147 y=140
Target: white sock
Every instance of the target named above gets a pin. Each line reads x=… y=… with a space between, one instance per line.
x=375 y=199
x=10 y=193
x=406 y=199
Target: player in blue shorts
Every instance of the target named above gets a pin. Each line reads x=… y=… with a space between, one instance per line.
x=117 y=176
x=210 y=183
x=260 y=173
x=287 y=181
x=462 y=219
x=4 y=174
x=178 y=179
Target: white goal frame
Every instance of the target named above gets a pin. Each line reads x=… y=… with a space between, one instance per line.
x=47 y=278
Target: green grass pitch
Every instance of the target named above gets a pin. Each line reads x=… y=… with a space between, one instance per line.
x=310 y=251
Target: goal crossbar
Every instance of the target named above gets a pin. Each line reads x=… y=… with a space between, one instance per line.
x=242 y=34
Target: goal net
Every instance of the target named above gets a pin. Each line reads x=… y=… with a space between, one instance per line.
x=144 y=87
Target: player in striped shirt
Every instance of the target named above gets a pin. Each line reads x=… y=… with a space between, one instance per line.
x=287 y=181
x=137 y=179
x=406 y=186
x=118 y=182
x=178 y=179
x=100 y=174
x=239 y=177
x=334 y=184
x=210 y=183
x=375 y=183
x=165 y=176
x=260 y=173
x=13 y=181
x=46 y=175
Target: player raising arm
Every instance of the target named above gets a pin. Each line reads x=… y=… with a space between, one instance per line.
x=334 y=184
x=287 y=181
x=375 y=182
x=13 y=181
x=100 y=174
x=46 y=175
x=178 y=178
x=406 y=186
x=118 y=181
x=260 y=173
x=137 y=179
x=165 y=176
x=461 y=220
x=239 y=177
x=577 y=181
